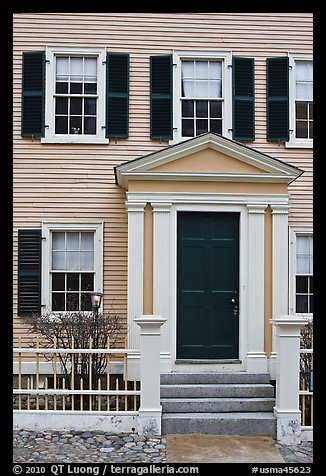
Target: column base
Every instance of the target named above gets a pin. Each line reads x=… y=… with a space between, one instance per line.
x=272 y=366
x=288 y=427
x=149 y=423
x=257 y=362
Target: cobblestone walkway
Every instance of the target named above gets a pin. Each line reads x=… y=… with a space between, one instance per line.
x=101 y=447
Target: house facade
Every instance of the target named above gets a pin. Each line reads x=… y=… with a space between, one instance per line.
x=166 y=161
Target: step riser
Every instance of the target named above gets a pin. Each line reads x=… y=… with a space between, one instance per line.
x=205 y=391
x=214 y=377
x=218 y=406
x=224 y=427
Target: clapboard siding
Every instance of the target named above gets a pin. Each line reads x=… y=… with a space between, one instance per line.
x=76 y=182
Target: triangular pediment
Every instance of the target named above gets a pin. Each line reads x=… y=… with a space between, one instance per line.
x=208 y=157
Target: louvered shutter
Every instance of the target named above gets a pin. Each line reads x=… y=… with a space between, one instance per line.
x=117 y=95
x=161 y=97
x=33 y=77
x=29 y=272
x=277 y=96
x=243 y=99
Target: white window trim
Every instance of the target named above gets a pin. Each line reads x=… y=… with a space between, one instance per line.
x=50 y=136
x=293 y=142
x=293 y=232
x=47 y=229
x=226 y=57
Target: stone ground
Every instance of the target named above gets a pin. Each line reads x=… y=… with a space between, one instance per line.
x=101 y=447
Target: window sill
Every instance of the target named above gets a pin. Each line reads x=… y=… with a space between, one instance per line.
x=299 y=144
x=74 y=140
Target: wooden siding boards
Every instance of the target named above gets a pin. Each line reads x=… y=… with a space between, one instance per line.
x=76 y=182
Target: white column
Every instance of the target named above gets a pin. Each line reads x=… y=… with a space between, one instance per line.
x=150 y=410
x=287 y=344
x=280 y=265
x=162 y=275
x=135 y=269
x=256 y=357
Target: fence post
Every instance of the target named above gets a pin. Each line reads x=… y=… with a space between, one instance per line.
x=286 y=408
x=150 y=409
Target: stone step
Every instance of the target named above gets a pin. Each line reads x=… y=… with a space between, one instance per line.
x=213 y=377
x=216 y=405
x=258 y=423
x=217 y=391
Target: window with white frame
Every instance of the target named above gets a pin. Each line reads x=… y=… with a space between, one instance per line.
x=72 y=266
x=301 y=101
x=202 y=96
x=304 y=274
x=75 y=105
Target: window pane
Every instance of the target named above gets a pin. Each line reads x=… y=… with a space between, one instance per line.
x=72 y=282
x=303 y=91
x=58 y=302
x=89 y=107
x=75 y=125
x=87 y=260
x=215 y=70
x=311 y=288
x=311 y=110
x=201 y=89
x=215 y=109
x=76 y=69
x=72 y=241
x=87 y=281
x=301 y=303
x=61 y=106
x=58 y=240
x=87 y=241
x=76 y=106
x=301 y=110
x=302 y=71
x=187 y=128
x=202 y=108
x=188 y=88
x=302 y=284
x=61 y=125
x=303 y=264
x=90 y=125
x=72 y=260
x=311 y=307
x=58 y=282
x=72 y=301
x=90 y=88
x=201 y=69
x=188 y=108
x=58 y=260
x=215 y=89
x=76 y=88
x=90 y=67
x=61 y=88
x=187 y=69
x=215 y=126
x=311 y=130
x=303 y=245
x=302 y=129
x=201 y=126
x=86 y=304
x=62 y=68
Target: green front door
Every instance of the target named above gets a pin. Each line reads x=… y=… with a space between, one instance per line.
x=208 y=286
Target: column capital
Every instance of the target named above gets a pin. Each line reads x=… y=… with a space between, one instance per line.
x=135 y=206
x=258 y=208
x=161 y=207
x=279 y=209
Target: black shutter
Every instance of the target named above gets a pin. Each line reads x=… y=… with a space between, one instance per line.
x=33 y=82
x=243 y=99
x=29 y=272
x=161 y=97
x=277 y=96
x=117 y=95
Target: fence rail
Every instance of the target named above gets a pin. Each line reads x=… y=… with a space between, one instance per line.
x=84 y=382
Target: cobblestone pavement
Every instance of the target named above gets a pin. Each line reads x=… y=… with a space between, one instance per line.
x=101 y=447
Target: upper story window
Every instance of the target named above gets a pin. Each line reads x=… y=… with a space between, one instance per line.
x=75 y=95
x=304 y=274
x=202 y=94
x=301 y=100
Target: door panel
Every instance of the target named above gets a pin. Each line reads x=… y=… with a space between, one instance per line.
x=208 y=285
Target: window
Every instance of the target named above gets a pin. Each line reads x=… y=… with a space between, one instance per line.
x=75 y=95
x=301 y=101
x=72 y=265
x=304 y=274
x=202 y=94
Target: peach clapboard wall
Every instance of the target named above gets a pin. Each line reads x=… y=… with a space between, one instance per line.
x=76 y=182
